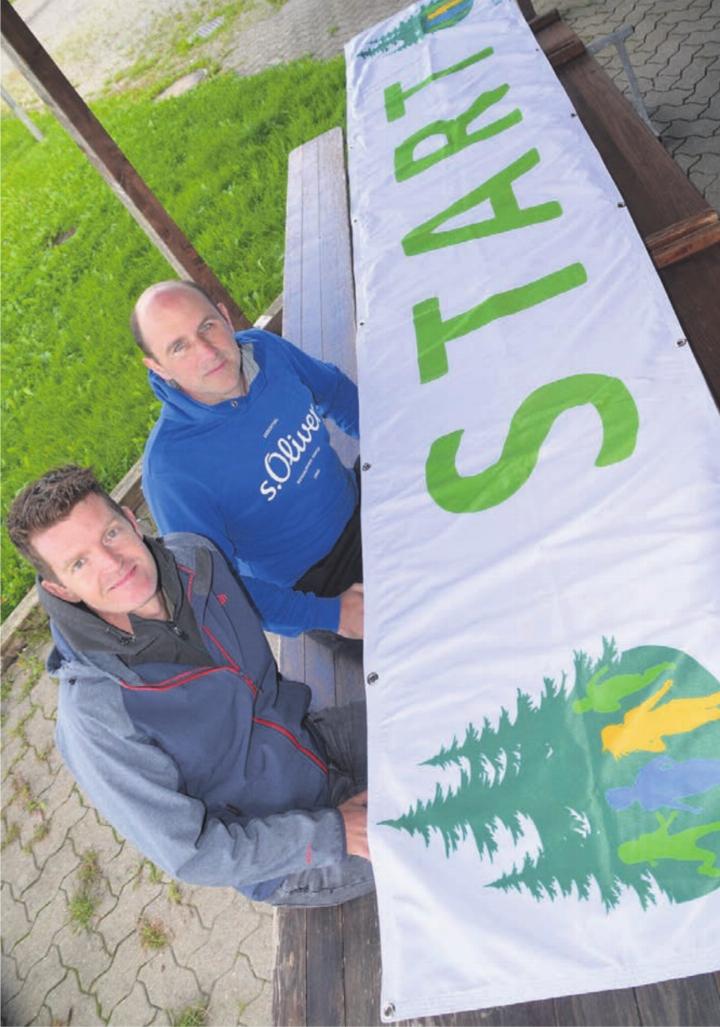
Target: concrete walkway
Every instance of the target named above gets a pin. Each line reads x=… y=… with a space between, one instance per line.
x=91 y=932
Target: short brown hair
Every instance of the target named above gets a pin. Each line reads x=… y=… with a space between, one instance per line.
x=45 y=502
x=135 y=320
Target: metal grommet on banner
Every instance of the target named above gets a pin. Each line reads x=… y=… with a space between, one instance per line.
x=366 y=467
x=621 y=204
x=361 y=323
x=389 y=1010
x=372 y=678
x=681 y=342
x=573 y=114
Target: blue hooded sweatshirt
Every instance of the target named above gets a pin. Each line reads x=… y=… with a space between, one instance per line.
x=259 y=476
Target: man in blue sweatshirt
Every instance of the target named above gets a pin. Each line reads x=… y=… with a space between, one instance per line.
x=171 y=714
x=241 y=454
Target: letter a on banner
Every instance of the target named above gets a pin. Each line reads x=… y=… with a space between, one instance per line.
x=509 y=215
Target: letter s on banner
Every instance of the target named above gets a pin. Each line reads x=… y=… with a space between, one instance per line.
x=529 y=427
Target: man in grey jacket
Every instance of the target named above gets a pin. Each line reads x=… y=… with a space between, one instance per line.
x=171 y=714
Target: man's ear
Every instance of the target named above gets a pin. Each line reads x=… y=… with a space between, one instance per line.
x=133 y=520
x=154 y=366
x=224 y=311
x=58 y=590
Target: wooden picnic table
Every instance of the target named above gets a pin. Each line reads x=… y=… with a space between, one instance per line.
x=328 y=960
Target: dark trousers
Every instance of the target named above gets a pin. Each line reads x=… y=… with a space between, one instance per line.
x=342 y=734
x=342 y=566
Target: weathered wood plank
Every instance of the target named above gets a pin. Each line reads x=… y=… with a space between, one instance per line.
x=338 y=288
x=292 y=268
x=349 y=680
x=612 y=1008
x=320 y=673
x=325 y=981
x=664 y=254
x=559 y=43
x=290 y=975
x=691 y=286
x=690 y=1001
x=543 y=20
x=309 y=336
x=361 y=942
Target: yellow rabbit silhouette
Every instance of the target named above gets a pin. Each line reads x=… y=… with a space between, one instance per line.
x=643 y=726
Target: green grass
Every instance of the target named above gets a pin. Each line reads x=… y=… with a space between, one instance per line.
x=73 y=385
x=153 y=933
x=81 y=908
x=89 y=869
x=190 y=1016
x=34 y=667
x=10 y=834
x=174 y=893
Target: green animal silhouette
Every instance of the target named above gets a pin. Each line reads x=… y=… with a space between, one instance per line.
x=605 y=696
x=660 y=844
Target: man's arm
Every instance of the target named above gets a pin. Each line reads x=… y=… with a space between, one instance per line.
x=136 y=786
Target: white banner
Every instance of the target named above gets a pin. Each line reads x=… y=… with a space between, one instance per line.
x=541 y=525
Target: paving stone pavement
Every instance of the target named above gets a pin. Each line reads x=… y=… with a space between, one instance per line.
x=91 y=932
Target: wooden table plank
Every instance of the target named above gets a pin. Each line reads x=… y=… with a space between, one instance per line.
x=362 y=962
x=290 y=975
x=692 y=288
x=324 y=955
x=611 y=1008
x=309 y=337
x=292 y=269
x=690 y=1001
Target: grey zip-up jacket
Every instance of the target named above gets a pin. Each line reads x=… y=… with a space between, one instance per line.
x=211 y=771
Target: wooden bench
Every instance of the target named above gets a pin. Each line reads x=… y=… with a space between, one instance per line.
x=323 y=955
x=328 y=961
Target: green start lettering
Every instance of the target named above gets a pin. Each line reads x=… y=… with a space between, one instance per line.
x=395 y=95
x=455 y=132
x=509 y=215
x=432 y=333
x=529 y=428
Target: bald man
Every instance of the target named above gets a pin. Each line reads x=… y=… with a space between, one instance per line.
x=241 y=455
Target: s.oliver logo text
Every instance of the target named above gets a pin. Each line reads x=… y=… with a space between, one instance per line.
x=289 y=449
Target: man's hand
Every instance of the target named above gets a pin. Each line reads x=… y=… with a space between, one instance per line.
x=354 y=814
x=352 y=612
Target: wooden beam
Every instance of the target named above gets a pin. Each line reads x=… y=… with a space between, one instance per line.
x=76 y=117
x=543 y=20
x=526 y=9
x=684 y=238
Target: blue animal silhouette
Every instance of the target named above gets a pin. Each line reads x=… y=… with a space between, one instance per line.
x=664 y=782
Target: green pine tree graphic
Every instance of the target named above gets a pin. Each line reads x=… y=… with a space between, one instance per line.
x=642 y=819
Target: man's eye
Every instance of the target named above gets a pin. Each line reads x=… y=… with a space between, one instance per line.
x=112 y=533
x=178 y=348
x=78 y=564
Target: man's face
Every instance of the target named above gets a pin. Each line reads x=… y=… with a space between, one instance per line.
x=192 y=343
x=98 y=557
